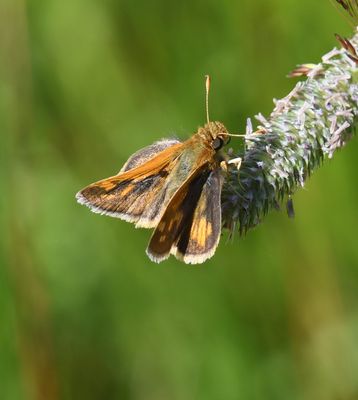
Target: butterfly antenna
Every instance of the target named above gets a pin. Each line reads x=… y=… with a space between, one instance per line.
x=207 y=89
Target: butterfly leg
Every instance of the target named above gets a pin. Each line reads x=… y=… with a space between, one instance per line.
x=236 y=161
x=223 y=165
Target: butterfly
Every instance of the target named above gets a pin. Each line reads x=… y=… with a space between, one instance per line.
x=173 y=187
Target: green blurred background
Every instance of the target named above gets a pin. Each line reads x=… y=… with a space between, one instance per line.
x=84 y=314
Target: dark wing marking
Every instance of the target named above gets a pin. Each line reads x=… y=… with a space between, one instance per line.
x=138 y=194
x=145 y=154
x=191 y=224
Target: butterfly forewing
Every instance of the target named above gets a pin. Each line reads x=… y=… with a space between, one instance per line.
x=198 y=240
x=140 y=193
x=190 y=227
x=141 y=182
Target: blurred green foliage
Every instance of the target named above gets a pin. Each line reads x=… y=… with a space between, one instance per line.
x=83 y=313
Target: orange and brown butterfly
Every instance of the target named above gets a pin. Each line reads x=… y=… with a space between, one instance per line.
x=174 y=187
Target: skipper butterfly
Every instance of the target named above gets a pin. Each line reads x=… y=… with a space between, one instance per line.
x=173 y=187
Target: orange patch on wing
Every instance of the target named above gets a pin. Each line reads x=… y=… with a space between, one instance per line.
x=127 y=190
x=107 y=185
x=171 y=224
x=161 y=226
x=209 y=229
x=200 y=235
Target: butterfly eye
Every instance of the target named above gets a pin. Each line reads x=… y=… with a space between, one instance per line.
x=218 y=143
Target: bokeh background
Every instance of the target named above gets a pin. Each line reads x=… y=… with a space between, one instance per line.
x=84 y=314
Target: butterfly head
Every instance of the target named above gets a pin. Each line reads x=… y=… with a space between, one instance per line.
x=216 y=134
